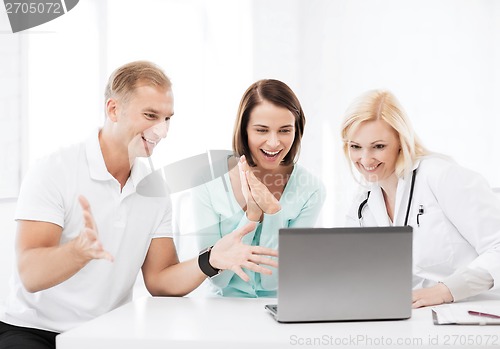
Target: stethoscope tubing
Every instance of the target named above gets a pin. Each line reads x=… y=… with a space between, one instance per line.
x=408 y=206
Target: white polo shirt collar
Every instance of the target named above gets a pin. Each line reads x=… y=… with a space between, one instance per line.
x=97 y=167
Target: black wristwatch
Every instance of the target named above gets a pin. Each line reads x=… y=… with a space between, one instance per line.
x=203 y=262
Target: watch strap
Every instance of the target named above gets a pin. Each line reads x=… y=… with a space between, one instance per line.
x=204 y=263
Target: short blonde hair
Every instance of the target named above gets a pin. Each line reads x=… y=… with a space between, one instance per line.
x=383 y=105
x=125 y=79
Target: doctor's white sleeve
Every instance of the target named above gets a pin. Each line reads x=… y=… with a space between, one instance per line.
x=469 y=203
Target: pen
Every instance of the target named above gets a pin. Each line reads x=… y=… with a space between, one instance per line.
x=477 y=313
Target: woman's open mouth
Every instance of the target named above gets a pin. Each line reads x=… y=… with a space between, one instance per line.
x=271 y=154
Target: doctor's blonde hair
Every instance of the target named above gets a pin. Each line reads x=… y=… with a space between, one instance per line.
x=383 y=105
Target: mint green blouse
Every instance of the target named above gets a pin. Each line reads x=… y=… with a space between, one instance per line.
x=217 y=213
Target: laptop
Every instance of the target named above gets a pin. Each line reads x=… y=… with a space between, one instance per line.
x=344 y=274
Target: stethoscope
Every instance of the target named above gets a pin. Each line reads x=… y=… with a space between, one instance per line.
x=408 y=206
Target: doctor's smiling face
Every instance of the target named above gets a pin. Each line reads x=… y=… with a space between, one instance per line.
x=374 y=149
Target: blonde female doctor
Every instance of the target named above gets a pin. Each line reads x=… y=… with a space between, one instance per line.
x=454 y=214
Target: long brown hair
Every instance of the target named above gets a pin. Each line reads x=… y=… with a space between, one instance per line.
x=279 y=94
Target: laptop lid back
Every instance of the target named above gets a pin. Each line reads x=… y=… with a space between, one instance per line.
x=339 y=274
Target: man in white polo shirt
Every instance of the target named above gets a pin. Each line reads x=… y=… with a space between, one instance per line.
x=84 y=232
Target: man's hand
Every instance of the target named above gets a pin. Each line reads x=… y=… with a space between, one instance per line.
x=229 y=253
x=87 y=244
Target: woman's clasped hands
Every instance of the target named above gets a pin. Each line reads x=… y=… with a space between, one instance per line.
x=258 y=197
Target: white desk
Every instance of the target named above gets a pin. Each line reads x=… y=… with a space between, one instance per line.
x=175 y=323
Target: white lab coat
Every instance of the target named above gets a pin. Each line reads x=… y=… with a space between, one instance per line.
x=459 y=229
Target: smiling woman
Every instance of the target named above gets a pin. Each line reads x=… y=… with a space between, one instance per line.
x=263 y=183
x=454 y=214
x=373 y=149
x=271 y=134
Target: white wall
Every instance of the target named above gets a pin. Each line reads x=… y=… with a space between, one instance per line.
x=11 y=48
x=65 y=79
x=203 y=45
x=7 y=235
x=12 y=75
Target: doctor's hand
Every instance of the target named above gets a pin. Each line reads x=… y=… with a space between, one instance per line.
x=259 y=191
x=435 y=295
x=229 y=253
x=253 y=211
x=87 y=245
